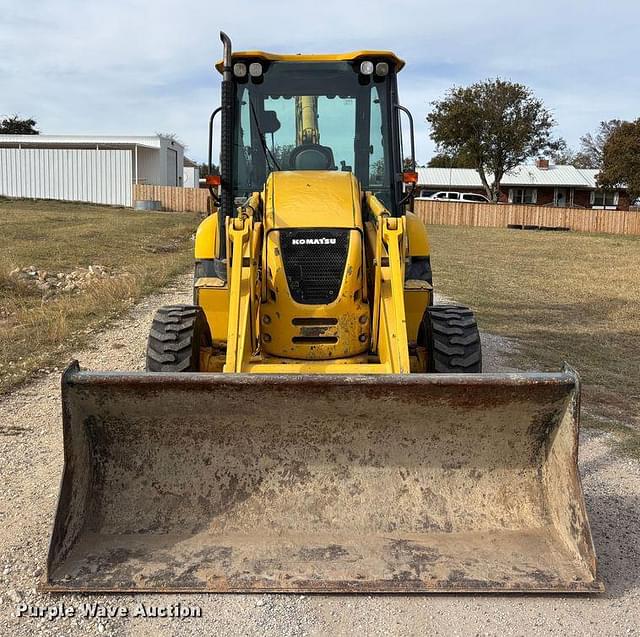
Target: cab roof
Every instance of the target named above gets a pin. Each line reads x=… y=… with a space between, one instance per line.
x=397 y=62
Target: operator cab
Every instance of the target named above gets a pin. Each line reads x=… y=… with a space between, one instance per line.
x=328 y=113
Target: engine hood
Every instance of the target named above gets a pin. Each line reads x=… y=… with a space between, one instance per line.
x=312 y=199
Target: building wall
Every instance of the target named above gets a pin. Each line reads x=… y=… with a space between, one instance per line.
x=161 y=167
x=545 y=194
x=191 y=177
x=624 y=202
x=96 y=176
x=171 y=162
x=582 y=198
x=148 y=166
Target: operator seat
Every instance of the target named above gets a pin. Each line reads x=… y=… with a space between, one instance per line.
x=312 y=157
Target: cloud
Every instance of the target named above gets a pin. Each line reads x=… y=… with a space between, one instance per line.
x=136 y=67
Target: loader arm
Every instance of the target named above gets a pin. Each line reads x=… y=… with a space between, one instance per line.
x=244 y=245
x=389 y=325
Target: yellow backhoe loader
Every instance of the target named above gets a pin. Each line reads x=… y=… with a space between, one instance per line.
x=313 y=422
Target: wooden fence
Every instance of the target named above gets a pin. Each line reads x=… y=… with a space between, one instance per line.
x=174 y=199
x=503 y=215
x=446 y=213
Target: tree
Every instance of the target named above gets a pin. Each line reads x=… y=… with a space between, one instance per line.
x=280 y=154
x=562 y=155
x=203 y=168
x=621 y=159
x=592 y=146
x=496 y=124
x=580 y=160
x=15 y=126
x=448 y=160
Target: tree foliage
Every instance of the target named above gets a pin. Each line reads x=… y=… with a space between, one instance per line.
x=562 y=155
x=281 y=153
x=496 y=124
x=407 y=164
x=621 y=159
x=203 y=168
x=14 y=125
x=450 y=160
x=591 y=153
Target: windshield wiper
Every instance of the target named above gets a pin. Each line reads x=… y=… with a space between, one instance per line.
x=265 y=149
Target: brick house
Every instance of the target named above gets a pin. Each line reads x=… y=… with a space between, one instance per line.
x=540 y=184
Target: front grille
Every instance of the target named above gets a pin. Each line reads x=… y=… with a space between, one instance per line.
x=314 y=262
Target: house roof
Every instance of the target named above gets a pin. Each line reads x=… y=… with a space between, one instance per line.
x=449 y=177
x=81 y=141
x=525 y=175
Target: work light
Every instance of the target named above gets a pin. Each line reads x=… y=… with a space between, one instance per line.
x=255 y=69
x=240 y=69
x=366 y=67
x=382 y=69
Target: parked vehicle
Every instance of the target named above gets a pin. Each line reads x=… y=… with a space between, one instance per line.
x=448 y=195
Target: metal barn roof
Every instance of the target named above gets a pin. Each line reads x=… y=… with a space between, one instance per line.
x=81 y=141
x=449 y=177
x=552 y=176
x=525 y=175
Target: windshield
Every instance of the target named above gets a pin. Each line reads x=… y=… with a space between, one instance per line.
x=312 y=116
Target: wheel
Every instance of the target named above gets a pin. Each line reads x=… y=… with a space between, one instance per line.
x=450 y=335
x=176 y=336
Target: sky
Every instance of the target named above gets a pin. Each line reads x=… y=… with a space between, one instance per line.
x=137 y=67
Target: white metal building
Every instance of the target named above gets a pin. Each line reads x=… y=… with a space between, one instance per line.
x=98 y=169
x=190 y=174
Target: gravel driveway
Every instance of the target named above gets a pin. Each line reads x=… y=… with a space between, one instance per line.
x=30 y=466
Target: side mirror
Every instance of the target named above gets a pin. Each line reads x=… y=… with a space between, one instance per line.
x=269 y=122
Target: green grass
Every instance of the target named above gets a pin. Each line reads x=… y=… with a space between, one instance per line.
x=60 y=237
x=563 y=297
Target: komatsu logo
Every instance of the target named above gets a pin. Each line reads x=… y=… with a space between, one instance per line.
x=318 y=241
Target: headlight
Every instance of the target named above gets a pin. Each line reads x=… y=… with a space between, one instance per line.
x=255 y=69
x=240 y=69
x=366 y=67
x=382 y=69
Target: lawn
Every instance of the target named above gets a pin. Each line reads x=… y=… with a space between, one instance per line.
x=142 y=251
x=563 y=296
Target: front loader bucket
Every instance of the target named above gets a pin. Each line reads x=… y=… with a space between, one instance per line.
x=415 y=483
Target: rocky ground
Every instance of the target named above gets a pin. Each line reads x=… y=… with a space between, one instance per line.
x=30 y=465
x=52 y=284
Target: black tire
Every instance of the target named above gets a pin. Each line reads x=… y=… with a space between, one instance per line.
x=176 y=336
x=450 y=335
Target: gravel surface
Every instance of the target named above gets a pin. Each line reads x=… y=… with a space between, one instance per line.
x=30 y=466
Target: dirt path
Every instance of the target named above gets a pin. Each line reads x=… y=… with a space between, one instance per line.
x=30 y=464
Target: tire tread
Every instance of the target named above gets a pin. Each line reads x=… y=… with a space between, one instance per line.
x=176 y=335
x=450 y=335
